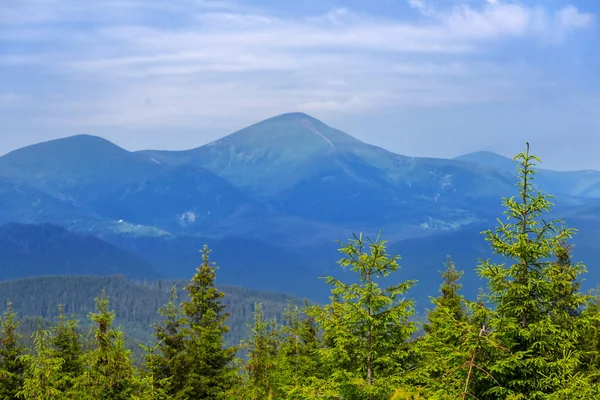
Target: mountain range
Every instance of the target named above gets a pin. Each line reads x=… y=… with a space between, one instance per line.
x=272 y=198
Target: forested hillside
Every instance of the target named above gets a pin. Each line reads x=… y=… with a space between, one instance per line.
x=532 y=333
x=30 y=250
x=135 y=303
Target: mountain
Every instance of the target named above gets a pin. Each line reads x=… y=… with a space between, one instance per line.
x=272 y=198
x=100 y=178
x=578 y=184
x=27 y=250
x=307 y=169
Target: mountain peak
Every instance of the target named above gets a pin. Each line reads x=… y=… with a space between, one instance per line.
x=294 y=132
x=77 y=154
x=489 y=159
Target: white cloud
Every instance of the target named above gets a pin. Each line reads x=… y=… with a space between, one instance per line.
x=570 y=18
x=126 y=69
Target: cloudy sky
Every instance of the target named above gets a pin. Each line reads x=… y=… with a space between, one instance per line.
x=419 y=77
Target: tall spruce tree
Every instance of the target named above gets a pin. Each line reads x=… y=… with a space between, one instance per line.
x=12 y=364
x=534 y=298
x=209 y=373
x=365 y=327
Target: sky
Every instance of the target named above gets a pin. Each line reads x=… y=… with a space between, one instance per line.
x=435 y=78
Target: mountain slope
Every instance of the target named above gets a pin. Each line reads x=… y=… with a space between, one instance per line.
x=308 y=169
x=27 y=250
x=101 y=178
x=584 y=183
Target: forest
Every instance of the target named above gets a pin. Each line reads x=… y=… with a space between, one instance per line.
x=532 y=333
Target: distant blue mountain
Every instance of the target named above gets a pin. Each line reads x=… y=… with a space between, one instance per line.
x=272 y=198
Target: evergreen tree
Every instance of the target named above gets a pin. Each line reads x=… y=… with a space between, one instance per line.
x=365 y=327
x=451 y=351
x=209 y=373
x=108 y=373
x=298 y=360
x=66 y=343
x=150 y=385
x=12 y=364
x=534 y=298
x=261 y=348
x=169 y=368
x=450 y=303
x=43 y=377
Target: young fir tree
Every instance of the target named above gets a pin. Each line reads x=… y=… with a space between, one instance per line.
x=43 y=376
x=450 y=304
x=66 y=345
x=169 y=368
x=365 y=327
x=149 y=385
x=209 y=373
x=533 y=298
x=12 y=364
x=108 y=373
x=297 y=359
x=261 y=348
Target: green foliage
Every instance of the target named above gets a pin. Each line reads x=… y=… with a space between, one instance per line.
x=208 y=371
x=12 y=364
x=365 y=327
x=43 y=377
x=108 y=372
x=535 y=298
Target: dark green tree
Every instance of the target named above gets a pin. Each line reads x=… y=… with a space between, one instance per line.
x=12 y=364
x=66 y=344
x=261 y=351
x=534 y=298
x=169 y=367
x=149 y=385
x=209 y=374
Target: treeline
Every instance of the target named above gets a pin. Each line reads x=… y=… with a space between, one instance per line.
x=531 y=334
x=134 y=303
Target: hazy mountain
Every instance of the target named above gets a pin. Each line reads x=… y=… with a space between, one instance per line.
x=27 y=250
x=308 y=169
x=99 y=177
x=584 y=183
x=271 y=199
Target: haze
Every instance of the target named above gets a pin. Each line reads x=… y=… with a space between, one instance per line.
x=421 y=78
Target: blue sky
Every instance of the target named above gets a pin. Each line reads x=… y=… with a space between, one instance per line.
x=418 y=77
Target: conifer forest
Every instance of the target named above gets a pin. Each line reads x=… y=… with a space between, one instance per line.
x=531 y=334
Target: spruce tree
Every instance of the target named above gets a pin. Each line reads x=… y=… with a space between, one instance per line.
x=150 y=386
x=298 y=360
x=450 y=303
x=533 y=297
x=365 y=327
x=108 y=373
x=12 y=364
x=169 y=367
x=66 y=343
x=261 y=348
x=43 y=376
x=209 y=373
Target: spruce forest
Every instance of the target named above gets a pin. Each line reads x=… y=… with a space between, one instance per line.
x=530 y=334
